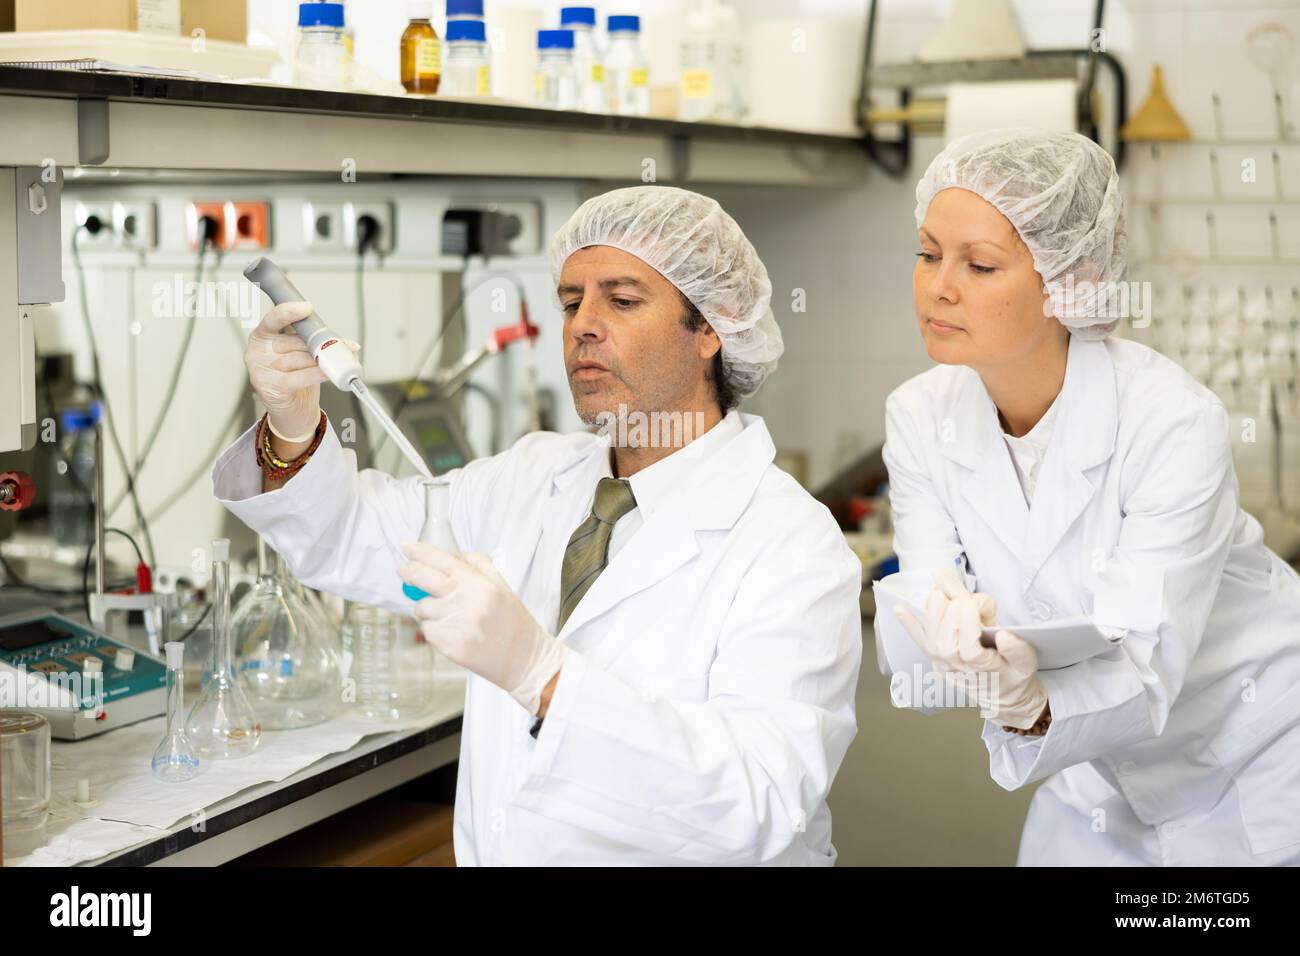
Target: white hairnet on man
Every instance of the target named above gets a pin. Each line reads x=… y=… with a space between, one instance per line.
x=692 y=242
x=1061 y=192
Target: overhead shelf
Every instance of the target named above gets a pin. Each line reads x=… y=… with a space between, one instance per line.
x=134 y=122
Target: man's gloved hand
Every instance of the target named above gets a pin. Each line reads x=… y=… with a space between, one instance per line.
x=1012 y=693
x=473 y=617
x=283 y=374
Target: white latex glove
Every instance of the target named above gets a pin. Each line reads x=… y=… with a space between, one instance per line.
x=473 y=617
x=950 y=583
x=1002 y=680
x=283 y=374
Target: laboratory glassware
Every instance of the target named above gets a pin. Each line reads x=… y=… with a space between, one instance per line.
x=24 y=772
x=174 y=760
x=287 y=659
x=588 y=58
x=391 y=663
x=421 y=54
x=557 y=77
x=190 y=622
x=322 y=51
x=222 y=723
x=627 y=76
x=466 y=72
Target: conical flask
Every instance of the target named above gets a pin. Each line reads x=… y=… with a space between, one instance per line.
x=222 y=723
x=174 y=760
x=287 y=658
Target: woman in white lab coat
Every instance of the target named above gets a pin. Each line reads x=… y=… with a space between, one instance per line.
x=1083 y=475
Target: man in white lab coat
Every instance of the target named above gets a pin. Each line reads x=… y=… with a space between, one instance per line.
x=661 y=627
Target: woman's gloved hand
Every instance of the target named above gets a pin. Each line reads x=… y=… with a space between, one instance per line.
x=473 y=617
x=283 y=374
x=1003 y=679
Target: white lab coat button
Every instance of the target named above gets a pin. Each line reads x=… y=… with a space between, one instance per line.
x=1040 y=611
x=1127 y=767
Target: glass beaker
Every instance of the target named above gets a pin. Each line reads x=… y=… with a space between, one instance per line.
x=287 y=658
x=390 y=663
x=222 y=723
x=191 y=624
x=24 y=780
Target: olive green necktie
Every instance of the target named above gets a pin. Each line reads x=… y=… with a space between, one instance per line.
x=588 y=550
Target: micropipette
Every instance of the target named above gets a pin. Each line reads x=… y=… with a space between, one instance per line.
x=336 y=360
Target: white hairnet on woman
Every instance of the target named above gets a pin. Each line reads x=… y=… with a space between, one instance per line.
x=692 y=242
x=1061 y=193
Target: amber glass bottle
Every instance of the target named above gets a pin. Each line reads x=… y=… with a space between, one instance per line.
x=421 y=51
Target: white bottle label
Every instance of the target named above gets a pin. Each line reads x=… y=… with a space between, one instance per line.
x=158 y=16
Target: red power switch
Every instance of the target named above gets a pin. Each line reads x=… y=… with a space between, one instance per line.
x=523 y=329
x=17 y=490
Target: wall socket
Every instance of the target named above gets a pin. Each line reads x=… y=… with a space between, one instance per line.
x=521 y=223
x=98 y=219
x=322 y=226
x=135 y=224
x=382 y=213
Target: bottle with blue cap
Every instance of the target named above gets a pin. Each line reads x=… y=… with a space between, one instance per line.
x=557 y=78
x=72 y=518
x=322 y=54
x=627 y=74
x=588 y=58
x=466 y=71
x=464 y=10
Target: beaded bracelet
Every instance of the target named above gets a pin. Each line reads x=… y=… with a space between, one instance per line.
x=276 y=468
x=1038 y=729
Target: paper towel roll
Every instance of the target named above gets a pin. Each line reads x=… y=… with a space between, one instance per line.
x=975 y=107
x=512 y=45
x=803 y=73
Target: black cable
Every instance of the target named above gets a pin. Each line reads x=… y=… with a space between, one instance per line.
x=17 y=580
x=208 y=238
x=448 y=316
x=367 y=235
x=103 y=396
x=204 y=462
x=85 y=567
x=172 y=386
x=195 y=626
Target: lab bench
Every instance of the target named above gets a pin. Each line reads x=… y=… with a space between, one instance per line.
x=263 y=814
x=361 y=761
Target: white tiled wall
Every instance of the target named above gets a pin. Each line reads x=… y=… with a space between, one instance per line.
x=853 y=251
